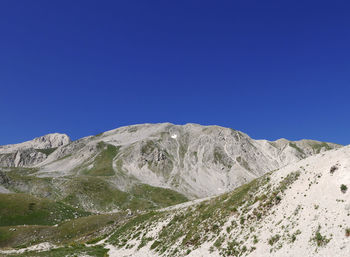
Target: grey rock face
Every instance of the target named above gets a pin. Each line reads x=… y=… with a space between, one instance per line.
x=195 y=160
x=30 y=153
x=4 y=180
x=22 y=158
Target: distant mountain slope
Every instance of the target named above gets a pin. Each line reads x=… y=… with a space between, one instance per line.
x=195 y=160
x=302 y=209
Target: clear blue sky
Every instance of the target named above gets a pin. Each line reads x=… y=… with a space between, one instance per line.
x=269 y=68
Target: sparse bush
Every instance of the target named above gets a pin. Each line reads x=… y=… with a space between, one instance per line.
x=241 y=221
x=274 y=239
x=294 y=236
x=155 y=244
x=278 y=198
x=319 y=238
x=255 y=239
x=219 y=242
x=347 y=232
x=333 y=169
x=258 y=215
x=343 y=188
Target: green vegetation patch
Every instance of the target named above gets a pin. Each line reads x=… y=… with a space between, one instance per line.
x=23 y=181
x=319 y=239
x=161 y=197
x=343 y=188
x=20 y=209
x=46 y=151
x=76 y=228
x=318 y=146
x=82 y=229
x=93 y=193
x=296 y=148
x=274 y=239
x=103 y=162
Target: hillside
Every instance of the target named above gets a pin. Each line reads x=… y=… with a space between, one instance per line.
x=302 y=209
x=22 y=209
x=188 y=161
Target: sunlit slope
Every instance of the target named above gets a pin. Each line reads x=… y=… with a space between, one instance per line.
x=302 y=209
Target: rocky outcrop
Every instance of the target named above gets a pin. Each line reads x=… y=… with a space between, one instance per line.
x=44 y=142
x=4 y=179
x=30 y=153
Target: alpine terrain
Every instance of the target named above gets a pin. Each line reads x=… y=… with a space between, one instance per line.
x=174 y=190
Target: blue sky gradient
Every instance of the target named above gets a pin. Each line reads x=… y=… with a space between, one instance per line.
x=269 y=68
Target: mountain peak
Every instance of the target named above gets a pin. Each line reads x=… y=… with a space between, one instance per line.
x=51 y=140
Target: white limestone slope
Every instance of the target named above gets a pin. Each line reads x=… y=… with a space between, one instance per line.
x=48 y=141
x=198 y=161
x=314 y=200
x=310 y=218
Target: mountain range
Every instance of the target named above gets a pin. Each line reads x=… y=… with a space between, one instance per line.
x=173 y=190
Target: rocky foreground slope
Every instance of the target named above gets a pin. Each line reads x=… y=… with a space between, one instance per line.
x=302 y=209
x=193 y=160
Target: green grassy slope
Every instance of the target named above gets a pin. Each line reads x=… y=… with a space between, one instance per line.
x=160 y=197
x=99 y=194
x=76 y=230
x=204 y=222
x=102 y=165
x=20 y=209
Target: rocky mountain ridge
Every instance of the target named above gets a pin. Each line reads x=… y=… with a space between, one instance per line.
x=197 y=161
